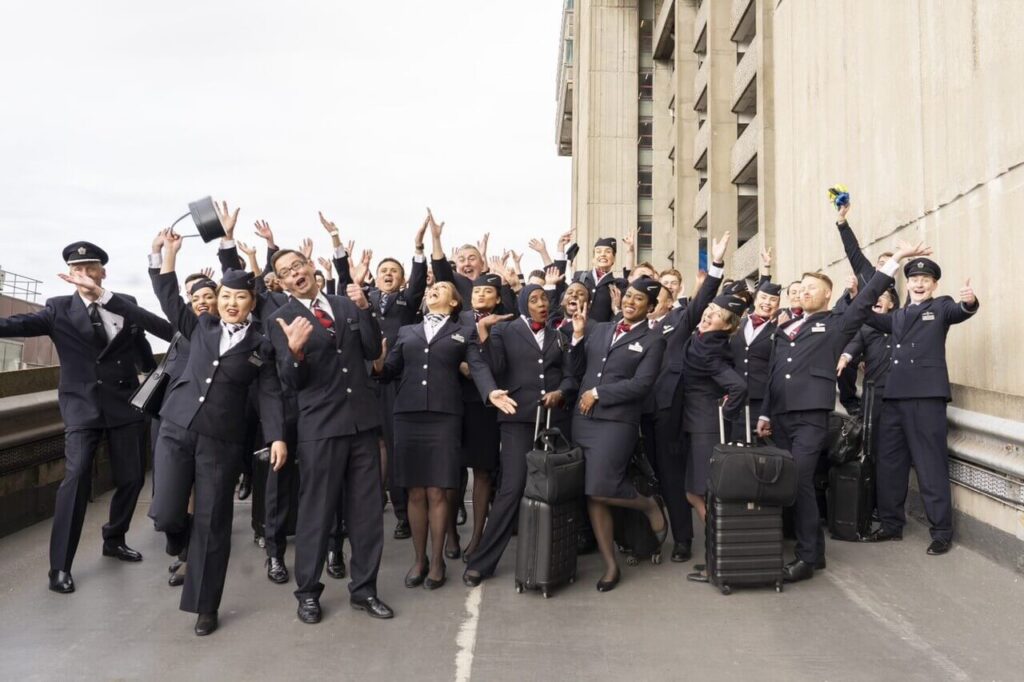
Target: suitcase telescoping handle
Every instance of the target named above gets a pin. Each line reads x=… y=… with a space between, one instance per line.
x=547 y=425
x=721 y=422
x=869 y=420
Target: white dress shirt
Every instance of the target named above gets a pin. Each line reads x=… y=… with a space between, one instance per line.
x=229 y=337
x=112 y=323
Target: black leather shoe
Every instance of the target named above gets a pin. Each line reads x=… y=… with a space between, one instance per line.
x=820 y=564
x=176 y=579
x=682 y=551
x=309 y=610
x=277 y=572
x=471 y=578
x=795 y=571
x=939 y=547
x=121 y=552
x=883 y=535
x=402 y=530
x=416 y=579
x=336 y=564
x=609 y=585
x=460 y=517
x=431 y=584
x=206 y=623
x=374 y=607
x=62 y=582
x=453 y=551
x=697 y=577
x=244 y=487
x=175 y=565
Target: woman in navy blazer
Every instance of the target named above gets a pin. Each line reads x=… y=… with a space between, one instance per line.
x=532 y=359
x=619 y=362
x=203 y=430
x=428 y=423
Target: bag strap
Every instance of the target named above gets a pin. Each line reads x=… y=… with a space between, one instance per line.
x=173 y=345
x=757 y=470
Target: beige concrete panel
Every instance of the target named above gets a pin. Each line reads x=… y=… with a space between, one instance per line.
x=746 y=71
x=685 y=128
x=745 y=149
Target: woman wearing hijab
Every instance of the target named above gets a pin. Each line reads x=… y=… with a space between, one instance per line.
x=528 y=355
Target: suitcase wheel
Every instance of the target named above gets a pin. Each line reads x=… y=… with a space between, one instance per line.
x=262 y=542
x=656 y=558
x=519 y=587
x=632 y=561
x=726 y=590
x=778 y=586
x=544 y=591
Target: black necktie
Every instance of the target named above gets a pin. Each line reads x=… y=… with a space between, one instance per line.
x=99 y=334
x=383 y=302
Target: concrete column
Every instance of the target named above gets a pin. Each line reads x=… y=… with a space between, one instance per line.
x=685 y=131
x=722 y=66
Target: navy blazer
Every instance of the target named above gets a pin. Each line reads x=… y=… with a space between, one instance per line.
x=667 y=387
x=266 y=301
x=211 y=394
x=875 y=348
x=918 y=368
x=334 y=393
x=802 y=371
x=623 y=373
x=95 y=386
x=443 y=272
x=702 y=394
x=751 y=361
x=428 y=373
x=512 y=360
x=600 y=295
x=402 y=307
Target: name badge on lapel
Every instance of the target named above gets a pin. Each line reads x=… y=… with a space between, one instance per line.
x=636 y=347
x=927 y=317
x=401 y=301
x=458 y=337
x=255 y=360
x=818 y=327
x=667 y=328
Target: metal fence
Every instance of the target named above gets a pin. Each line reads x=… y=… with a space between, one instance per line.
x=19 y=286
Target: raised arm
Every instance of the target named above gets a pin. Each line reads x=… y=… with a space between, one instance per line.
x=965 y=308
x=709 y=287
x=858 y=261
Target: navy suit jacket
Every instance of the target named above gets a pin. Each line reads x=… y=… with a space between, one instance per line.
x=331 y=383
x=95 y=386
x=752 y=360
x=402 y=308
x=918 y=368
x=600 y=295
x=875 y=348
x=512 y=360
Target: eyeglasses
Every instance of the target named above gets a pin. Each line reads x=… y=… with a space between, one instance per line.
x=293 y=269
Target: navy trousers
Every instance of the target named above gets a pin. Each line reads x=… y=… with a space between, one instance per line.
x=803 y=434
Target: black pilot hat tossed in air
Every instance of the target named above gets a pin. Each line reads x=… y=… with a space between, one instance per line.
x=84 y=252
x=734 y=304
x=922 y=266
x=649 y=287
x=609 y=242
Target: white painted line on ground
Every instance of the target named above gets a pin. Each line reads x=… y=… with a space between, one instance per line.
x=466 y=639
x=858 y=593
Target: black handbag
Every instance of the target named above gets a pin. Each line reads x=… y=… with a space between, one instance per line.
x=845 y=438
x=751 y=474
x=554 y=468
x=149 y=396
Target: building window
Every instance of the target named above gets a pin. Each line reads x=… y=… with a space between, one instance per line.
x=646 y=140
x=644 y=238
x=10 y=355
x=568 y=52
x=645 y=183
x=647 y=85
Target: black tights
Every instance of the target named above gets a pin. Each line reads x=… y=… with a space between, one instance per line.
x=604 y=529
x=428 y=510
x=483 y=485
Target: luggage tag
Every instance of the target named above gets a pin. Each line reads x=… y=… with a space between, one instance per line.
x=459 y=338
x=255 y=360
x=927 y=317
x=636 y=347
x=818 y=327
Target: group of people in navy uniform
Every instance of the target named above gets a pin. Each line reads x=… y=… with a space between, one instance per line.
x=387 y=386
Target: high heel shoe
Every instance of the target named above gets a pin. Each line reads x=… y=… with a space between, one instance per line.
x=609 y=585
x=431 y=584
x=417 y=579
x=453 y=552
x=662 y=534
x=471 y=578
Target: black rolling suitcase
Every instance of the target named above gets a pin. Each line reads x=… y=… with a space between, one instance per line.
x=548 y=532
x=633 y=535
x=743 y=540
x=851 y=498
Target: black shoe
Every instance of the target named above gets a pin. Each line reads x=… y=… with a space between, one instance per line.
x=460 y=516
x=374 y=607
x=820 y=564
x=453 y=552
x=175 y=565
x=471 y=578
x=176 y=579
x=697 y=577
x=122 y=552
x=62 y=582
x=244 y=487
x=682 y=551
x=206 y=623
x=431 y=584
x=336 y=564
x=277 y=572
x=402 y=530
x=939 y=547
x=883 y=535
x=416 y=579
x=662 y=534
x=609 y=585
x=309 y=610
x=795 y=571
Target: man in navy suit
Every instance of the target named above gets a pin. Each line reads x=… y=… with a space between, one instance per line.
x=801 y=391
x=913 y=424
x=101 y=355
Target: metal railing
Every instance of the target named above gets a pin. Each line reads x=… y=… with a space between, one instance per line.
x=19 y=286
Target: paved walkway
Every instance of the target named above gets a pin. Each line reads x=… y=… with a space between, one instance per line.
x=886 y=612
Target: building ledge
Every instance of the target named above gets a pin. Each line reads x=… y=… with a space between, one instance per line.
x=700 y=207
x=743 y=164
x=744 y=95
x=665 y=31
x=700 y=146
x=700 y=88
x=743 y=21
x=700 y=28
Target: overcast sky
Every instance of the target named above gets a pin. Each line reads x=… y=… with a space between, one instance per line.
x=116 y=115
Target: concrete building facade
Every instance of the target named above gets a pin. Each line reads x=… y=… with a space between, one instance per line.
x=759 y=106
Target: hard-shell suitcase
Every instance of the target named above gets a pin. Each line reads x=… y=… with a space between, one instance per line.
x=851 y=498
x=632 y=529
x=744 y=544
x=546 y=545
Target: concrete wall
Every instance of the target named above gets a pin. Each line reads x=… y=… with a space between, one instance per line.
x=916 y=106
x=39 y=351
